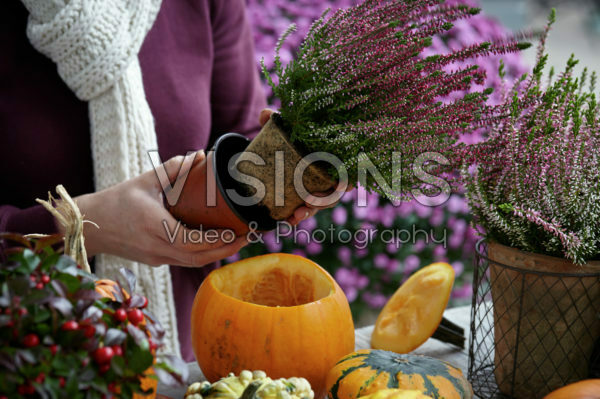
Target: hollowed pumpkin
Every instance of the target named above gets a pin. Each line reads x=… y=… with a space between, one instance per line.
x=415 y=310
x=370 y=370
x=279 y=313
x=587 y=389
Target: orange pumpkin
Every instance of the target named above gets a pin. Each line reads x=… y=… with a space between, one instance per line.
x=415 y=310
x=370 y=370
x=587 y=389
x=280 y=313
x=106 y=288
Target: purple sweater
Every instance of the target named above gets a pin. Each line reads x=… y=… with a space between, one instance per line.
x=200 y=80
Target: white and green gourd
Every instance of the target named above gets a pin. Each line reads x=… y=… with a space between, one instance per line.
x=251 y=385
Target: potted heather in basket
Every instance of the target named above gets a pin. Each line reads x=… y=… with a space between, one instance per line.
x=535 y=191
x=65 y=335
x=357 y=91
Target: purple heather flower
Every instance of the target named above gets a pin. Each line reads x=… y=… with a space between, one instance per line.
x=437 y=217
x=439 y=252
x=271 y=242
x=299 y=252
x=419 y=246
x=458 y=267
x=411 y=263
x=314 y=248
x=380 y=261
x=361 y=252
x=392 y=247
x=308 y=224
x=387 y=215
x=233 y=258
x=339 y=215
x=466 y=291
x=375 y=301
x=344 y=255
x=393 y=265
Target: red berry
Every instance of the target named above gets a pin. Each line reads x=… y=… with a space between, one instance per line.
x=70 y=325
x=7 y=311
x=39 y=286
x=30 y=390
x=103 y=355
x=104 y=368
x=53 y=349
x=153 y=345
x=120 y=315
x=145 y=303
x=22 y=311
x=118 y=351
x=112 y=387
x=89 y=331
x=135 y=316
x=10 y=323
x=62 y=382
x=45 y=278
x=40 y=378
x=32 y=278
x=22 y=390
x=31 y=340
x=85 y=361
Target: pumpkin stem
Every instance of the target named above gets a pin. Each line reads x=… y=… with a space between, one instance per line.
x=450 y=333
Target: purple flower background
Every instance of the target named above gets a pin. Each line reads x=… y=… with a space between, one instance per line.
x=370 y=275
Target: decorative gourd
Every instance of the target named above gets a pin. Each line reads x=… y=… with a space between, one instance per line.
x=397 y=394
x=251 y=385
x=370 y=370
x=587 y=389
x=415 y=310
x=280 y=313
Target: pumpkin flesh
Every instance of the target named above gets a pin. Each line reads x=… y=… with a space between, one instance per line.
x=367 y=371
x=415 y=310
x=279 y=313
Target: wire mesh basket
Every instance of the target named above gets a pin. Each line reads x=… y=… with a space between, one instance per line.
x=535 y=323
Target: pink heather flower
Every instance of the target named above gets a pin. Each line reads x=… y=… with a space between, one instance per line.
x=466 y=291
x=456 y=240
x=393 y=265
x=299 y=252
x=233 y=258
x=439 y=252
x=437 y=217
x=308 y=224
x=360 y=252
x=314 y=248
x=351 y=293
x=458 y=267
x=344 y=255
x=339 y=215
x=271 y=242
x=375 y=301
x=360 y=212
x=380 y=261
x=456 y=204
x=423 y=211
x=392 y=247
x=419 y=246
x=411 y=263
x=388 y=215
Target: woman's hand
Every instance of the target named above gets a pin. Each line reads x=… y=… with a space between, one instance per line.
x=134 y=224
x=313 y=203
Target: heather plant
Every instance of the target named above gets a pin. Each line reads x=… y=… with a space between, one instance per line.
x=536 y=184
x=359 y=89
x=369 y=275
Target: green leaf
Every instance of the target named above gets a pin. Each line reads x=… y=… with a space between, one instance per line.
x=140 y=359
x=117 y=364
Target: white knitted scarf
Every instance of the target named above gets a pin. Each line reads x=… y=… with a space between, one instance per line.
x=95 y=45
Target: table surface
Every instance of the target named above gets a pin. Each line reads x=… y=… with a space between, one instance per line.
x=433 y=348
